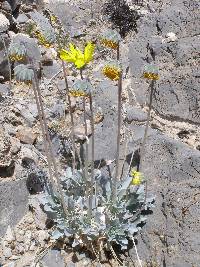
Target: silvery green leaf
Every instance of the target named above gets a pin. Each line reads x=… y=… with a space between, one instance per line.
x=68 y=173
x=48 y=208
x=132 y=229
x=30 y=44
x=23 y=73
x=124 y=186
x=57 y=234
x=75 y=243
x=17 y=48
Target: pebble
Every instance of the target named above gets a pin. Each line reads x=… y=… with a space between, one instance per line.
x=26 y=135
x=9 y=236
x=171 y=37
x=7 y=252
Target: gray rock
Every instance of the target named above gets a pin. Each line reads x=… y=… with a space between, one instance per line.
x=13 y=3
x=135 y=114
x=13 y=203
x=4 y=23
x=4 y=89
x=172 y=172
x=176 y=95
x=52 y=259
x=22 y=18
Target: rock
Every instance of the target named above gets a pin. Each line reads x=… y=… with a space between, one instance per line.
x=40 y=217
x=28 y=157
x=26 y=135
x=28 y=112
x=4 y=89
x=9 y=236
x=176 y=56
x=13 y=3
x=53 y=258
x=79 y=131
x=22 y=19
x=172 y=172
x=4 y=69
x=7 y=252
x=13 y=203
x=171 y=37
x=42 y=236
x=135 y=114
x=4 y=23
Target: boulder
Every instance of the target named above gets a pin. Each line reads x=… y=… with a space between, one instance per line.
x=172 y=171
x=169 y=37
x=13 y=203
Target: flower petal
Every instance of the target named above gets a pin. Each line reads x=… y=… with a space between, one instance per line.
x=89 y=51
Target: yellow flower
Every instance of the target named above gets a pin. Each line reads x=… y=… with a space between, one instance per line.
x=42 y=40
x=16 y=57
x=112 y=71
x=76 y=56
x=109 y=43
x=151 y=73
x=137 y=177
x=111 y=39
x=76 y=93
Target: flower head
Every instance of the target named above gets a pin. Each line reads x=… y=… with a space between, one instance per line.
x=76 y=56
x=17 y=51
x=111 y=39
x=151 y=72
x=43 y=39
x=81 y=88
x=137 y=177
x=112 y=71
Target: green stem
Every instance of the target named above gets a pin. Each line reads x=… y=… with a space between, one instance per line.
x=9 y=64
x=147 y=124
x=71 y=117
x=114 y=195
x=92 y=161
x=49 y=162
x=86 y=154
x=50 y=145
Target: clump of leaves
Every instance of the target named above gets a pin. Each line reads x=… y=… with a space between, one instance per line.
x=110 y=223
x=24 y=73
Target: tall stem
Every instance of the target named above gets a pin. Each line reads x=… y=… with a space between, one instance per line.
x=114 y=195
x=50 y=144
x=147 y=124
x=86 y=151
x=49 y=162
x=9 y=64
x=92 y=162
x=71 y=117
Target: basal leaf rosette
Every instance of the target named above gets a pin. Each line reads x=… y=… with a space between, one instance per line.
x=81 y=88
x=109 y=224
x=24 y=73
x=110 y=39
x=151 y=72
x=44 y=32
x=112 y=70
x=17 y=51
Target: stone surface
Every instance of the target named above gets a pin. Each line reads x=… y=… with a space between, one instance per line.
x=135 y=114
x=177 y=93
x=13 y=203
x=26 y=135
x=170 y=235
x=53 y=258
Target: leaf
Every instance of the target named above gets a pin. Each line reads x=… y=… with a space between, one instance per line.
x=57 y=234
x=23 y=73
x=124 y=187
